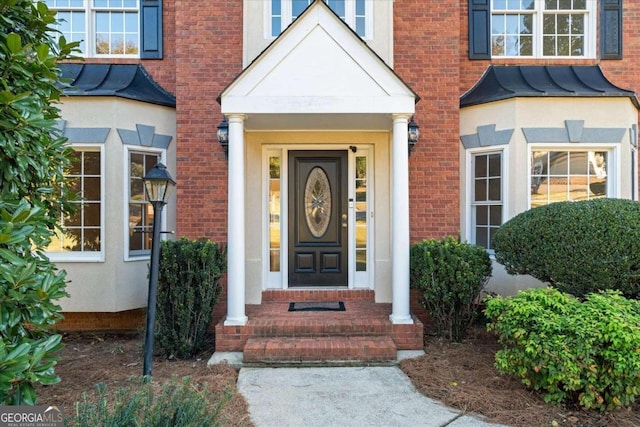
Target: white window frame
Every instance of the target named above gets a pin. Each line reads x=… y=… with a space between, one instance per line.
x=89 y=256
x=614 y=164
x=127 y=196
x=470 y=187
x=350 y=17
x=590 y=30
x=90 y=27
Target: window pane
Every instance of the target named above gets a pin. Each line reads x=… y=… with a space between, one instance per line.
x=92 y=189
x=73 y=219
x=480 y=166
x=72 y=240
x=361 y=260
x=482 y=215
x=92 y=214
x=276 y=7
x=558 y=163
x=481 y=237
x=494 y=189
x=480 y=190
x=91 y=241
x=274 y=260
x=495 y=215
x=578 y=163
x=495 y=167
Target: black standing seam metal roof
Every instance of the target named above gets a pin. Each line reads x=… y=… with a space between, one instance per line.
x=130 y=81
x=504 y=81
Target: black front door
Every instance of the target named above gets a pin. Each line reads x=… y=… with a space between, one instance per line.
x=318 y=218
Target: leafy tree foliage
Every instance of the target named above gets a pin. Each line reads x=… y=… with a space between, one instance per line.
x=32 y=161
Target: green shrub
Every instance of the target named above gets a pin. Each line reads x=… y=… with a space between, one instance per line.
x=177 y=403
x=571 y=351
x=577 y=247
x=450 y=275
x=188 y=290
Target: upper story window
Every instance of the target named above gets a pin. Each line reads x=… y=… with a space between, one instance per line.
x=103 y=27
x=81 y=231
x=543 y=28
x=356 y=13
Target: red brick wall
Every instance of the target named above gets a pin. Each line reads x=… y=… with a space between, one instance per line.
x=208 y=58
x=427 y=58
x=131 y=320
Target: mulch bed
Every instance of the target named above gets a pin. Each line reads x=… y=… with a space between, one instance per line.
x=463 y=376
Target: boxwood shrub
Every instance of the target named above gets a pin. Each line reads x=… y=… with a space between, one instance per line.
x=572 y=351
x=450 y=276
x=577 y=247
x=188 y=290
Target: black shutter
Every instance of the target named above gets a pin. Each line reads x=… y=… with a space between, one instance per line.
x=611 y=29
x=151 y=29
x=479 y=29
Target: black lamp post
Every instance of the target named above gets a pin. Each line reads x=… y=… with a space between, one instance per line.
x=159 y=185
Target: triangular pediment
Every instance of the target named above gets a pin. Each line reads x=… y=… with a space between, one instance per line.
x=318 y=65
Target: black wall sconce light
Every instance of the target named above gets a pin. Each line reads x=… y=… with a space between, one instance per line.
x=413 y=134
x=223 y=136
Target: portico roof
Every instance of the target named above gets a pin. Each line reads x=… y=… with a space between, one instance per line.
x=317 y=74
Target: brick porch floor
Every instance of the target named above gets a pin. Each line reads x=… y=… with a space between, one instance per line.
x=363 y=332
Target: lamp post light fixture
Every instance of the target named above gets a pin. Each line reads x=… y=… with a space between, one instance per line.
x=223 y=136
x=158 y=185
x=413 y=134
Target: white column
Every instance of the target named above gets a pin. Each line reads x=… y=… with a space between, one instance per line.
x=400 y=313
x=235 y=240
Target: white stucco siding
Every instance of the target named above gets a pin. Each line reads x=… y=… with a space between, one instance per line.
x=115 y=284
x=543 y=113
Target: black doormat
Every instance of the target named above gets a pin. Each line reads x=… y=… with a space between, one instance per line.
x=317 y=306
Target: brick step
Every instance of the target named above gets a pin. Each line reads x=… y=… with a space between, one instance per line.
x=320 y=327
x=300 y=295
x=319 y=349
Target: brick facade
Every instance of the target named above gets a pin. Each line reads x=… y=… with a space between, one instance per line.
x=202 y=54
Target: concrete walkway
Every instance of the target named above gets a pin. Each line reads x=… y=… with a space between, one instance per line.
x=342 y=396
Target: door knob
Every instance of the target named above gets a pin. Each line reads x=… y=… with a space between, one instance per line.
x=344 y=220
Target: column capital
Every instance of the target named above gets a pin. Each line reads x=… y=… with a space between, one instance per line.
x=401 y=117
x=236 y=117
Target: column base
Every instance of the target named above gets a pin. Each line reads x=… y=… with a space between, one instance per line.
x=401 y=320
x=233 y=321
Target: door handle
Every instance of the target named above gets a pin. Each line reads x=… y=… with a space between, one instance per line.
x=344 y=220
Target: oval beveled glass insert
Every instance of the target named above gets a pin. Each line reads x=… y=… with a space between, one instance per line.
x=317 y=199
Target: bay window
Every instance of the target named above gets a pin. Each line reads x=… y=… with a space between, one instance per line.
x=80 y=237
x=140 y=211
x=487 y=197
x=568 y=175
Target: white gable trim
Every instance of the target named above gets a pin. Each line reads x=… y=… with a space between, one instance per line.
x=318 y=66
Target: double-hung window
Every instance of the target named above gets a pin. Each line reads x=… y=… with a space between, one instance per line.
x=103 y=27
x=140 y=211
x=486 y=197
x=356 y=13
x=80 y=237
x=543 y=28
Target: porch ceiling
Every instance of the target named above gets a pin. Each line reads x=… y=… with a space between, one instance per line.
x=318 y=74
